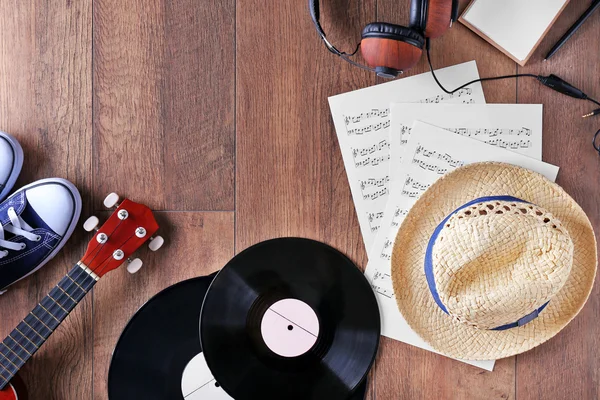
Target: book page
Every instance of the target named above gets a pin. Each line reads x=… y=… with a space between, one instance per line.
x=362 y=124
x=515 y=25
x=430 y=153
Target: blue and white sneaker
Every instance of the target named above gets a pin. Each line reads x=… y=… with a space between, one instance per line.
x=11 y=162
x=35 y=223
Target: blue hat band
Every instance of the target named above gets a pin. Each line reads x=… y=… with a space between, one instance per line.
x=429 y=262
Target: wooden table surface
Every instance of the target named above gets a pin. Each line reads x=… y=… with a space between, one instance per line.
x=215 y=114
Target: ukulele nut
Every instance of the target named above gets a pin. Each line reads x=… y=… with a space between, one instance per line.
x=102 y=238
x=118 y=255
x=140 y=232
x=123 y=214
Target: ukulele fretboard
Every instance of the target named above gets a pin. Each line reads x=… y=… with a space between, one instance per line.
x=39 y=324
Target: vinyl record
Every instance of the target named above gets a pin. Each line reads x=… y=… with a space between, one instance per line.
x=290 y=319
x=158 y=356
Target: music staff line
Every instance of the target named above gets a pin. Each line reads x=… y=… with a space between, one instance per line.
x=368 y=128
x=444 y=97
x=485 y=132
x=376 y=195
x=374 y=113
x=384 y=113
x=413 y=188
x=399 y=215
x=445 y=157
x=372 y=161
x=373 y=182
x=366 y=151
x=490 y=132
x=386 y=279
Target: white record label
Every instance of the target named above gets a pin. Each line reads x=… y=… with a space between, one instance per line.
x=198 y=383
x=290 y=327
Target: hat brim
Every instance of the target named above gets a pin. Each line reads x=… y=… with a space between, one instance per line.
x=460 y=186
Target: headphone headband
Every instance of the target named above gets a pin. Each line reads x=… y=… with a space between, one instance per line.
x=315 y=13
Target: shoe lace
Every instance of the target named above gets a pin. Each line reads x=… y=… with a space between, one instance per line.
x=17 y=227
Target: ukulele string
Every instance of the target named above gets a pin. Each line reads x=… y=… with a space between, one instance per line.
x=64 y=291
x=101 y=268
x=101 y=245
x=98 y=248
x=16 y=351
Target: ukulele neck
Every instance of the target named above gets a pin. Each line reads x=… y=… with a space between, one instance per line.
x=38 y=325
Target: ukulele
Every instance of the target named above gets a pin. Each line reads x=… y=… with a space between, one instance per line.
x=130 y=225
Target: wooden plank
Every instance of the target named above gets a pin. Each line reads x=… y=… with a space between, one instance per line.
x=403 y=371
x=164 y=102
x=197 y=244
x=45 y=101
x=568 y=366
x=290 y=176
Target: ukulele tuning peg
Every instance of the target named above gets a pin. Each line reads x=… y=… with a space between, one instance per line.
x=91 y=224
x=156 y=243
x=134 y=265
x=111 y=201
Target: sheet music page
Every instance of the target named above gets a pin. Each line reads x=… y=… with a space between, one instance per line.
x=430 y=153
x=515 y=127
x=362 y=122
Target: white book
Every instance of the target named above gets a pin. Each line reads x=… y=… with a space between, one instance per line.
x=515 y=27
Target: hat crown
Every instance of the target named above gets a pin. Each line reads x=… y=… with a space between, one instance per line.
x=495 y=262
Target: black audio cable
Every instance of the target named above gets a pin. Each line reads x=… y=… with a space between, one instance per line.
x=551 y=81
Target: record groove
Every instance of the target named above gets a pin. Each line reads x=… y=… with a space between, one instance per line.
x=251 y=358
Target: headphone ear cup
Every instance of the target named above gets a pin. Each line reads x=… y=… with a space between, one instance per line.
x=432 y=17
x=391 y=46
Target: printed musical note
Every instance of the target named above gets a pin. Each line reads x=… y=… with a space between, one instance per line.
x=512 y=144
x=475 y=132
x=376 y=195
x=411 y=193
x=444 y=97
x=430 y=167
x=374 y=182
x=386 y=252
x=445 y=157
x=372 y=161
x=374 y=113
x=415 y=184
x=375 y=220
x=399 y=215
x=365 y=151
x=382 y=284
x=369 y=128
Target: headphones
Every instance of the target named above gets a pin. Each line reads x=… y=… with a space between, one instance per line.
x=390 y=49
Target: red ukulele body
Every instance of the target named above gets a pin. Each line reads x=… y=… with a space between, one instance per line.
x=14 y=391
x=9 y=393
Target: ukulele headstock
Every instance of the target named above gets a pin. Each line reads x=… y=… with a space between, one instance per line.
x=126 y=230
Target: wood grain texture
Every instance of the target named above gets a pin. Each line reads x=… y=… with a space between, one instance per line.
x=198 y=244
x=222 y=105
x=163 y=101
x=290 y=175
x=568 y=366
x=403 y=371
x=45 y=101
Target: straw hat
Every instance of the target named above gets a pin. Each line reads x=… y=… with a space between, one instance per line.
x=491 y=261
